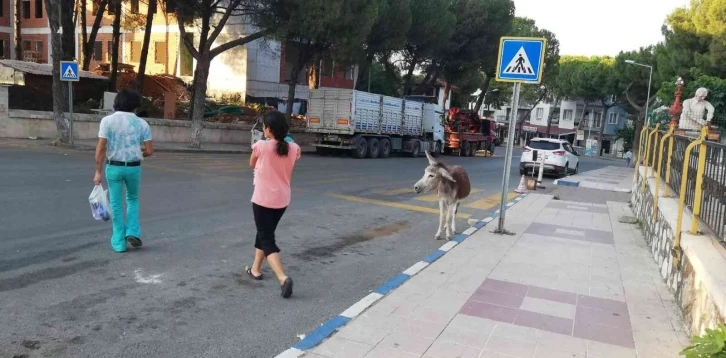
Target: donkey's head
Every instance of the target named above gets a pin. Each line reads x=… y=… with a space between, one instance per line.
x=434 y=174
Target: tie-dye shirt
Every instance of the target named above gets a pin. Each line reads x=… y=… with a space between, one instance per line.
x=125 y=133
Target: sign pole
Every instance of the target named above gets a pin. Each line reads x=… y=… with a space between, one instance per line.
x=508 y=157
x=70 y=107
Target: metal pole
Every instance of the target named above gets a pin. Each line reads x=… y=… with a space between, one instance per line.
x=508 y=157
x=70 y=107
x=647 y=101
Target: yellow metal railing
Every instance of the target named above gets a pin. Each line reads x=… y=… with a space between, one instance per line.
x=652 y=136
x=698 y=196
x=667 y=137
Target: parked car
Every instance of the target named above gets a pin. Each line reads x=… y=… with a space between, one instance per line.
x=559 y=157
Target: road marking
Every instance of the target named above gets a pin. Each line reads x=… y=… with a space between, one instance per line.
x=140 y=278
x=394 y=191
x=391 y=204
x=434 y=198
x=489 y=202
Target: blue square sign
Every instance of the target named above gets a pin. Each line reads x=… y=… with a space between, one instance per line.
x=69 y=71
x=521 y=59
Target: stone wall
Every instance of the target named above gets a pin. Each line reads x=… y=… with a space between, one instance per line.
x=698 y=284
x=26 y=124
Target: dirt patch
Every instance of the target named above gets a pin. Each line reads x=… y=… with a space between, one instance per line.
x=324 y=251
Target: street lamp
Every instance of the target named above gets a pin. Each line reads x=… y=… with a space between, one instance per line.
x=650 y=79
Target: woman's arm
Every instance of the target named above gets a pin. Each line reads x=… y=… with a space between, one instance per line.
x=253 y=160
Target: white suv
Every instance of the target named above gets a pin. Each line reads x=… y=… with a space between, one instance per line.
x=559 y=157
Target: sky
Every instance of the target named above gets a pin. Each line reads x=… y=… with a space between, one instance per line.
x=600 y=27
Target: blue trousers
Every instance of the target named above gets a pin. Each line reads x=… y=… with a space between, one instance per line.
x=119 y=177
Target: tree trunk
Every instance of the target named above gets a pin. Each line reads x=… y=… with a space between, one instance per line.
x=363 y=76
x=409 y=76
x=88 y=43
x=291 y=91
x=18 y=29
x=549 y=116
x=61 y=122
x=84 y=30
x=145 y=46
x=116 y=38
x=602 y=130
x=636 y=139
x=447 y=89
x=484 y=88
x=201 y=73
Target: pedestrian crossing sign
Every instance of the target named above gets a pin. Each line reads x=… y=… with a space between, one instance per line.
x=521 y=59
x=69 y=71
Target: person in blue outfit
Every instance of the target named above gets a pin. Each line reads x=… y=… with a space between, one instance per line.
x=120 y=138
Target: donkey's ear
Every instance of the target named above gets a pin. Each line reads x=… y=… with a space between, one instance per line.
x=446 y=175
x=431 y=159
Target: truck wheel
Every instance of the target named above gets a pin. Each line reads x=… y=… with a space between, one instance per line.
x=373 y=148
x=416 y=149
x=474 y=149
x=466 y=149
x=361 y=148
x=385 y=148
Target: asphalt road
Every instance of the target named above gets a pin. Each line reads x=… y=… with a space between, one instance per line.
x=352 y=225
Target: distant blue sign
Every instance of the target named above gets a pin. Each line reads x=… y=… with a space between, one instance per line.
x=521 y=59
x=69 y=71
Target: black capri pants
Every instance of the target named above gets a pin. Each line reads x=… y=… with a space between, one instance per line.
x=266 y=221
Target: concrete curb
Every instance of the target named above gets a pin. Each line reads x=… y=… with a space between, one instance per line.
x=566 y=183
x=328 y=328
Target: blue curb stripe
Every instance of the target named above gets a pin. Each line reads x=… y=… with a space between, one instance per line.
x=568 y=183
x=391 y=284
x=434 y=256
x=317 y=336
x=458 y=238
x=328 y=328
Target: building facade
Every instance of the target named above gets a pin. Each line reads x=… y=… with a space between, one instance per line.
x=256 y=70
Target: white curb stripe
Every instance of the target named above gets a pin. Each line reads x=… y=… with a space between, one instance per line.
x=448 y=246
x=469 y=231
x=489 y=219
x=416 y=268
x=361 y=305
x=510 y=204
x=291 y=353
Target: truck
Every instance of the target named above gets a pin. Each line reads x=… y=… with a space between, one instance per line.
x=371 y=125
x=466 y=133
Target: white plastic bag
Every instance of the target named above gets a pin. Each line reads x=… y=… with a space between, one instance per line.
x=100 y=208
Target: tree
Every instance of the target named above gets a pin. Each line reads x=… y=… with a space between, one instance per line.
x=115 y=41
x=209 y=18
x=63 y=48
x=383 y=80
x=89 y=40
x=145 y=46
x=18 y=30
x=627 y=134
x=388 y=34
x=332 y=28
x=432 y=24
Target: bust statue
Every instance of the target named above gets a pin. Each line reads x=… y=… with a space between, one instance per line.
x=697 y=112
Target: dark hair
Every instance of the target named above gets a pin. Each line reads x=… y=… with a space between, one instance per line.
x=276 y=122
x=127 y=100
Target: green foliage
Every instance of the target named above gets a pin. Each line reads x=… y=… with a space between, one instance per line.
x=591 y=79
x=385 y=82
x=525 y=27
x=627 y=134
x=632 y=80
x=432 y=25
x=710 y=345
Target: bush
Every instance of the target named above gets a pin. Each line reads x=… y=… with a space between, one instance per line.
x=710 y=345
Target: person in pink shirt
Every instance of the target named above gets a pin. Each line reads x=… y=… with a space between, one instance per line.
x=272 y=162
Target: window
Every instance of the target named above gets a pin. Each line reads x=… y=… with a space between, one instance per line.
x=38 y=9
x=328 y=69
x=160 y=52
x=350 y=73
x=134 y=6
x=26 y=45
x=2 y=48
x=2 y=11
x=542 y=145
x=598 y=120
x=567 y=115
x=39 y=47
x=136 y=52
x=613 y=118
x=26 y=11
x=98 y=51
x=586 y=123
x=540 y=113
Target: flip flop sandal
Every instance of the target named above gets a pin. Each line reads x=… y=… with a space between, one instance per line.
x=134 y=241
x=286 y=288
x=249 y=272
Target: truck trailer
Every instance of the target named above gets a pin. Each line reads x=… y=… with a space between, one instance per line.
x=373 y=126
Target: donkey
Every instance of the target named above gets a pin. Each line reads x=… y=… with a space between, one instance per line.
x=452 y=186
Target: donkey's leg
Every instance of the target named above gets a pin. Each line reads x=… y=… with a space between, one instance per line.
x=455 y=210
x=442 y=213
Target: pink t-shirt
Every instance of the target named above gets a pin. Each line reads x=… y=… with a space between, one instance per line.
x=272 y=174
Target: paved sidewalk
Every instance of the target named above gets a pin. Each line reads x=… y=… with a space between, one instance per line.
x=571 y=282
x=619 y=179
